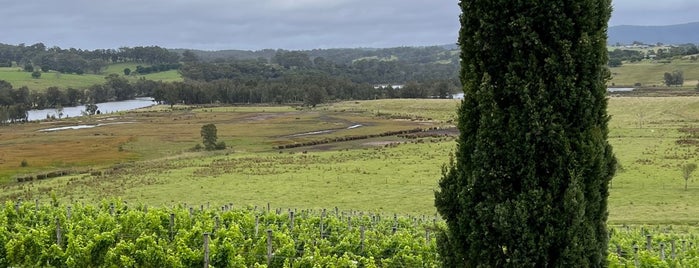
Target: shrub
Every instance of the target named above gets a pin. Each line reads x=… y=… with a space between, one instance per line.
x=24 y=163
x=220 y=145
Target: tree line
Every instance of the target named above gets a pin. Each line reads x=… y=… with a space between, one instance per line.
x=38 y=57
x=618 y=56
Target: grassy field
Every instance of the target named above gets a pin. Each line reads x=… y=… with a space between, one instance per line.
x=650 y=74
x=148 y=159
x=18 y=78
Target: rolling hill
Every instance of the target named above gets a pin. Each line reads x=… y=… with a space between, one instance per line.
x=670 y=34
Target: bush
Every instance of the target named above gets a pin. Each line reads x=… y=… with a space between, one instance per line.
x=220 y=145
x=36 y=74
x=24 y=163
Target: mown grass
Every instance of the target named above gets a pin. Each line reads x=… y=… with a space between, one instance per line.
x=651 y=73
x=649 y=188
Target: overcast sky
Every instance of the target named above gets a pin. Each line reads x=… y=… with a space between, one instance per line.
x=260 y=24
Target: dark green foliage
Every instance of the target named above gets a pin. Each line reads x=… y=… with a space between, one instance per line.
x=209 y=136
x=36 y=74
x=127 y=71
x=529 y=183
x=28 y=68
x=676 y=78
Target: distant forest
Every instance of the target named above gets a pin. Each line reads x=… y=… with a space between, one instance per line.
x=230 y=77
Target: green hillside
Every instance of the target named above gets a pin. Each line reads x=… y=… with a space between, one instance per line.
x=650 y=73
x=19 y=78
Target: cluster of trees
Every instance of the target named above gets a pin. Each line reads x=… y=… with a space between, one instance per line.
x=675 y=78
x=14 y=103
x=617 y=56
x=373 y=66
x=38 y=57
x=156 y=68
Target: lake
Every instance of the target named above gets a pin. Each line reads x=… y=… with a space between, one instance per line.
x=104 y=108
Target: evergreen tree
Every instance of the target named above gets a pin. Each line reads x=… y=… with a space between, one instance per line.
x=529 y=183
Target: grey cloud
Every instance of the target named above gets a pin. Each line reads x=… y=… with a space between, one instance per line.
x=249 y=24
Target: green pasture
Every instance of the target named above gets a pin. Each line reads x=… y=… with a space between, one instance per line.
x=19 y=78
x=650 y=73
x=389 y=174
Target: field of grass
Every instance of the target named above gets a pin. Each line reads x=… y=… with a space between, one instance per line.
x=650 y=74
x=149 y=159
x=19 y=78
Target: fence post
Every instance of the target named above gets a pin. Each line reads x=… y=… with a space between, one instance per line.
x=269 y=247
x=291 y=221
x=206 y=250
x=111 y=209
x=349 y=223
x=337 y=212
x=257 y=224
x=269 y=210
x=672 y=247
x=662 y=251
x=217 y=223
x=172 y=226
x=36 y=206
x=648 y=242
x=635 y=255
x=322 y=228
x=427 y=236
x=191 y=211
x=68 y=212
x=361 y=237
x=618 y=250
x=58 y=233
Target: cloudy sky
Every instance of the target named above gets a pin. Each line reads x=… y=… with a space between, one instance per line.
x=260 y=24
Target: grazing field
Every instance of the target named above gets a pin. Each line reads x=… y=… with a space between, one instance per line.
x=19 y=78
x=650 y=74
x=148 y=158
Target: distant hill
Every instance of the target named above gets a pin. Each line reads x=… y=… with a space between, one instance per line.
x=670 y=34
x=442 y=54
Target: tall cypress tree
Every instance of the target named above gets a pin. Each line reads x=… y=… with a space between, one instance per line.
x=529 y=183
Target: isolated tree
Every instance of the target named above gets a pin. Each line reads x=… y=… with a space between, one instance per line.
x=209 y=136
x=529 y=182
x=676 y=78
x=36 y=74
x=91 y=109
x=314 y=95
x=687 y=170
x=127 y=71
